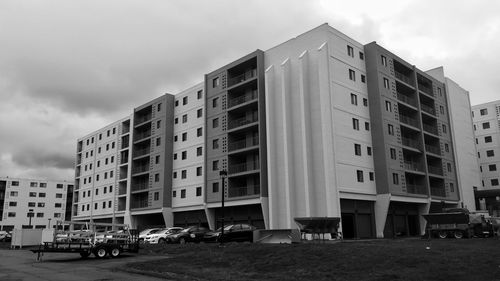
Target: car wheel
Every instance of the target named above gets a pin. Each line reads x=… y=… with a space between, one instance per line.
x=442 y=234
x=182 y=240
x=115 y=252
x=100 y=252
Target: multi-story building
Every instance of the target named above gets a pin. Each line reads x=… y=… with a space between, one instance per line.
x=318 y=126
x=33 y=203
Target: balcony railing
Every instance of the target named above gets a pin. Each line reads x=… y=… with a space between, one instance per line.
x=425 y=89
x=403 y=78
x=142 y=135
x=433 y=149
x=243 y=98
x=410 y=142
x=139 y=204
x=125 y=129
x=241 y=144
x=122 y=190
x=140 y=169
x=413 y=166
x=406 y=99
x=243 y=167
x=408 y=120
x=139 y=186
x=141 y=152
x=436 y=170
x=243 y=77
x=428 y=109
x=416 y=189
x=430 y=129
x=244 y=191
x=242 y=121
x=125 y=145
x=142 y=119
x=123 y=175
x=438 y=191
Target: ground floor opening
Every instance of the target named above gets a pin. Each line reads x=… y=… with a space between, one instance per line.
x=249 y=214
x=402 y=220
x=357 y=219
x=188 y=218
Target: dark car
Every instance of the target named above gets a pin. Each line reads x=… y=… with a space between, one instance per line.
x=190 y=234
x=232 y=233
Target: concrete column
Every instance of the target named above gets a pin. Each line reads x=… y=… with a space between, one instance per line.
x=381 y=209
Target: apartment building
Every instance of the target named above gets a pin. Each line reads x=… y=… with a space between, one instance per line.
x=34 y=203
x=318 y=126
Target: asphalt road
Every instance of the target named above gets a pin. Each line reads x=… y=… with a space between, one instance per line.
x=22 y=265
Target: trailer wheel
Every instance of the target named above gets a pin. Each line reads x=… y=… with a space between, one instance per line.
x=115 y=252
x=458 y=234
x=442 y=234
x=100 y=252
x=84 y=255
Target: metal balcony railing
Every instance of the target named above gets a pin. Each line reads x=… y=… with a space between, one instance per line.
x=436 y=170
x=139 y=186
x=122 y=190
x=125 y=145
x=139 y=204
x=406 y=99
x=425 y=89
x=410 y=142
x=242 y=99
x=408 y=120
x=125 y=129
x=244 y=191
x=242 y=121
x=142 y=119
x=141 y=152
x=241 y=144
x=403 y=78
x=428 y=109
x=143 y=135
x=438 y=191
x=243 y=167
x=416 y=189
x=430 y=129
x=433 y=149
x=243 y=77
x=140 y=169
x=413 y=166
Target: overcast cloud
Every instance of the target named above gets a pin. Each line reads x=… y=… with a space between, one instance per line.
x=68 y=68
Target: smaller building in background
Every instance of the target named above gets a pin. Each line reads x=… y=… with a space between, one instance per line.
x=34 y=203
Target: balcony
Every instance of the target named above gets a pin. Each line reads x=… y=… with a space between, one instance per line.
x=141 y=152
x=142 y=135
x=122 y=190
x=436 y=170
x=410 y=143
x=413 y=166
x=403 y=78
x=425 y=89
x=235 y=123
x=428 y=109
x=242 y=77
x=433 y=149
x=139 y=186
x=408 y=120
x=438 y=191
x=416 y=189
x=243 y=99
x=142 y=119
x=140 y=169
x=139 y=204
x=430 y=129
x=241 y=144
x=244 y=191
x=408 y=100
x=243 y=167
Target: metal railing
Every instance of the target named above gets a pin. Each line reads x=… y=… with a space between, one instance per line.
x=243 y=77
x=413 y=166
x=244 y=191
x=122 y=190
x=243 y=167
x=438 y=191
x=425 y=89
x=142 y=135
x=406 y=99
x=430 y=129
x=416 y=189
x=408 y=120
x=140 y=169
x=243 y=144
x=139 y=186
x=433 y=149
x=242 y=121
x=125 y=129
x=142 y=119
x=428 y=109
x=436 y=170
x=403 y=78
x=141 y=152
x=410 y=142
x=243 y=98
x=139 y=204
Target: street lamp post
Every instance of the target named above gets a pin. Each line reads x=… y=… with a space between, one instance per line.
x=223 y=175
x=30 y=215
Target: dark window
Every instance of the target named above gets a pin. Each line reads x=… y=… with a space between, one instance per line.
x=184 y=100
x=395 y=178
x=492 y=167
x=486 y=125
x=183 y=174
x=488 y=139
x=354 y=99
x=198 y=191
x=215 y=165
x=199 y=151
x=369 y=150
x=390 y=129
x=215 y=187
x=383 y=60
x=199 y=132
x=352 y=75
x=361 y=56
x=215 y=101
x=483 y=111
x=198 y=171
x=183 y=193
x=357 y=149
x=494 y=182
x=350 y=51
x=355 y=124
x=215 y=123
x=215 y=82
x=156 y=196
x=215 y=144
x=184 y=155
x=199 y=113
x=490 y=153
x=200 y=94
x=372 y=177
x=359 y=175
x=363 y=78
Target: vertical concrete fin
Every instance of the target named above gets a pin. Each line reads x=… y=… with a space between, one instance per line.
x=168 y=216
x=287 y=140
x=381 y=209
x=271 y=169
x=210 y=213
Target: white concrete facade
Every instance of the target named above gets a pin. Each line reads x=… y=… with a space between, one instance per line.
x=45 y=198
x=486 y=119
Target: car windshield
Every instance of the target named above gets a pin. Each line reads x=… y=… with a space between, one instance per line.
x=187 y=229
x=228 y=227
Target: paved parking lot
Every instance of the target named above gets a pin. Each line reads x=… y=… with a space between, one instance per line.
x=22 y=265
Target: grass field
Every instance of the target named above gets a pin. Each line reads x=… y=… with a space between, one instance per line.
x=406 y=259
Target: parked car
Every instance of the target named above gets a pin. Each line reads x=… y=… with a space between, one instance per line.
x=146 y=232
x=232 y=233
x=190 y=234
x=162 y=235
x=5 y=236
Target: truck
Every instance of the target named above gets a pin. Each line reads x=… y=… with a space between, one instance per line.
x=86 y=238
x=458 y=223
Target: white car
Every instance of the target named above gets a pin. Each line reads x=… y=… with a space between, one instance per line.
x=161 y=236
x=146 y=232
x=5 y=236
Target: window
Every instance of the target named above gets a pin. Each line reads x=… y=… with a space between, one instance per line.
x=183 y=174
x=176 y=138
x=198 y=171
x=107 y=147
x=184 y=100
x=175 y=175
x=350 y=51
x=372 y=176
x=100 y=136
x=97 y=191
x=215 y=187
x=175 y=156
x=395 y=178
x=157 y=177
x=32 y=194
x=383 y=60
x=215 y=165
x=156 y=196
x=215 y=82
x=43 y=184
x=215 y=123
x=388 y=106
x=393 y=153
x=390 y=129
x=199 y=132
x=365 y=101
x=199 y=151
x=59 y=185
x=176 y=120
x=113 y=145
x=448 y=167
x=486 y=125
x=97 y=177
x=158 y=124
x=59 y=195
x=184 y=155
x=184 y=136
x=352 y=75
x=41 y=194
x=200 y=94
x=199 y=113
x=31 y=204
x=446 y=147
x=12 y=204
x=184 y=118
x=487 y=139
x=369 y=150
x=111 y=174
x=444 y=129
x=386 y=83
x=95 y=206
x=215 y=101
x=157 y=159
x=367 y=126
x=183 y=193
x=11 y=214
x=363 y=78
x=198 y=191
x=108 y=132
x=158 y=108
x=494 y=182
x=357 y=149
x=14 y=183
x=104 y=205
x=359 y=175
x=490 y=153
x=492 y=167
x=158 y=141
x=361 y=56
x=474 y=127
x=57 y=215
x=110 y=188
x=33 y=184
x=439 y=92
x=355 y=124
x=58 y=205
x=441 y=109
x=177 y=103
x=106 y=161
x=174 y=193
x=477 y=142
x=483 y=111
x=39 y=215
x=105 y=189
x=112 y=159
x=354 y=99
x=215 y=144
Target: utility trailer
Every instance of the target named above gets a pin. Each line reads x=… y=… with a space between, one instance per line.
x=458 y=223
x=85 y=238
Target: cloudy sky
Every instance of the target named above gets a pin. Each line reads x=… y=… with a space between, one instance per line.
x=68 y=68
